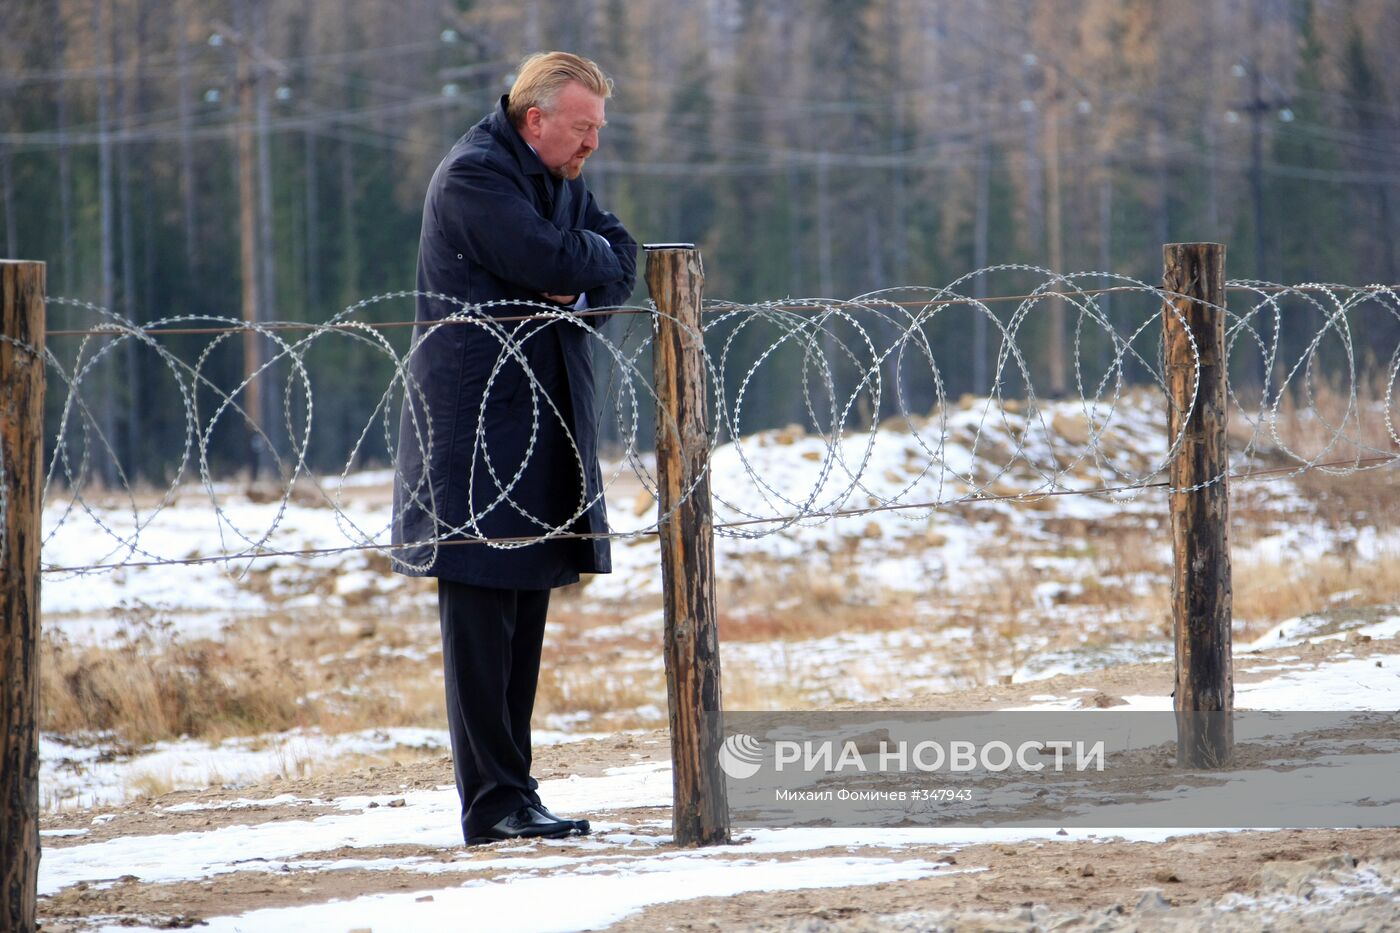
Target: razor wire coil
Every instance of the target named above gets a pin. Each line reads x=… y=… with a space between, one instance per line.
x=855 y=368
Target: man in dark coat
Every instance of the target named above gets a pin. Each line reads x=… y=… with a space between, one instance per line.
x=497 y=436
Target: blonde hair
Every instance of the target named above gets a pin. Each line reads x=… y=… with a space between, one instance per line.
x=541 y=77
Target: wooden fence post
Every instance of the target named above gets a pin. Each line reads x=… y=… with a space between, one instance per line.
x=700 y=812
x=21 y=473
x=1194 y=338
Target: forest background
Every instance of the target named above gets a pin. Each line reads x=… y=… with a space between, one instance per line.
x=826 y=148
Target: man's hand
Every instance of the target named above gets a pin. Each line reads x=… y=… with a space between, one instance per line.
x=563 y=299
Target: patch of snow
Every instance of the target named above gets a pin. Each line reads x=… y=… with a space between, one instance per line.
x=72 y=776
x=587 y=898
x=242 y=803
x=81 y=777
x=1342 y=684
x=1049 y=664
x=1354 y=684
x=1306 y=629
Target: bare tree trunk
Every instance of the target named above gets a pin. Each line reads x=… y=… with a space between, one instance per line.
x=8 y=120
x=1209 y=118
x=1106 y=254
x=874 y=253
x=1054 y=227
x=7 y=187
x=313 y=223
x=796 y=267
x=798 y=246
x=1256 y=150
x=980 y=220
x=65 y=161
x=350 y=270
x=825 y=282
x=1391 y=217
x=892 y=393
x=1161 y=133
x=106 y=414
x=826 y=285
x=350 y=244
x=1387 y=231
x=899 y=241
x=123 y=75
x=891 y=388
x=7 y=198
x=899 y=237
x=144 y=377
x=185 y=105
x=247 y=241
x=1035 y=188
x=267 y=265
x=313 y=199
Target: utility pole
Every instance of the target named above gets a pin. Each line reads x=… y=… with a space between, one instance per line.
x=251 y=61
x=106 y=411
x=1059 y=379
x=1258 y=106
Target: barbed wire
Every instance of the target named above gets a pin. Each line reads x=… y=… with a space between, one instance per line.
x=864 y=382
x=721 y=526
x=714 y=307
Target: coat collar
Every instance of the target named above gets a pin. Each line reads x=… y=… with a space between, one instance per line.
x=505 y=131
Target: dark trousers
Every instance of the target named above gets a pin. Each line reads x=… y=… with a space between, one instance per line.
x=491 y=641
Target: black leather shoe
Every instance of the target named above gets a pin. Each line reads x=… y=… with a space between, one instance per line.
x=580 y=826
x=525 y=823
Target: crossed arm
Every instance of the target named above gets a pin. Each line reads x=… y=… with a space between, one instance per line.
x=495 y=223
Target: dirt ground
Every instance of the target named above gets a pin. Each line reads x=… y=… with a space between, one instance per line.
x=1020 y=887
x=1188 y=882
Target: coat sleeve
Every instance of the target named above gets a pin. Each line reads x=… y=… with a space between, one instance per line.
x=624 y=248
x=485 y=215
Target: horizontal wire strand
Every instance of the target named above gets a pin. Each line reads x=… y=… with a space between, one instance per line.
x=834 y=342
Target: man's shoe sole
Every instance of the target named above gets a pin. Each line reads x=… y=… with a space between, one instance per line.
x=484 y=840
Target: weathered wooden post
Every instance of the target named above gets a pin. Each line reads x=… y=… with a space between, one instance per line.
x=21 y=472
x=700 y=813
x=1194 y=336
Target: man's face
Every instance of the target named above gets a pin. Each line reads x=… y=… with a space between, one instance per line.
x=567 y=135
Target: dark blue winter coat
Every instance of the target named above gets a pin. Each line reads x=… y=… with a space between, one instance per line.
x=482 y=452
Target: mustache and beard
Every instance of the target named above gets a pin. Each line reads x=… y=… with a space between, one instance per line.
x=572 y=168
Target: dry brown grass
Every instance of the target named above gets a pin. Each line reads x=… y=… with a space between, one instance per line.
x=748 y=688
x=146 y=687
x=335 y=672
x=601 y=674
x=1372 y=497
x=361 y=666
x=1268 y=594
x=773 y=603
x=151 y=784
x=803 y=622
x=398 y=755
x=1325 y=422
x=581 y=688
